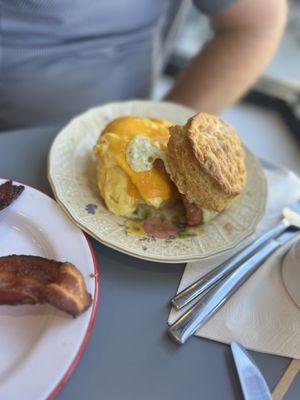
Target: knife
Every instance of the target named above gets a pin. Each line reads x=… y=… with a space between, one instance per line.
x=253 y=384
x=210 y=302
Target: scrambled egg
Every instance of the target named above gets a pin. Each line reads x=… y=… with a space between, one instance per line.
x=125 y=152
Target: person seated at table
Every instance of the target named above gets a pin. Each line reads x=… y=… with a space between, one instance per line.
x=60 y=57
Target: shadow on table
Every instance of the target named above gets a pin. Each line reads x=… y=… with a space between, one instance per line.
x=129 y=262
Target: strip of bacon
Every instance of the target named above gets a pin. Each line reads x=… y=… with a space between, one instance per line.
x=32 y=280
x=9 y=193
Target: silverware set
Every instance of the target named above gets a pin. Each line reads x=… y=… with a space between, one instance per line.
x=213 y=289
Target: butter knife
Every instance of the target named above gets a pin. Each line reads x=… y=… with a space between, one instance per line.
x=253 y=384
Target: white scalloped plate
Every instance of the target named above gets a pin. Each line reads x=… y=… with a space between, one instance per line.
x=72 y=176
x=40 y=345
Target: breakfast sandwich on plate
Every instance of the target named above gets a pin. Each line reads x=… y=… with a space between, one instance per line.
x=157 y=180
x=148 y=162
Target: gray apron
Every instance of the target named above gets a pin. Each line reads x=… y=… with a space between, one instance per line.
x=60 y=57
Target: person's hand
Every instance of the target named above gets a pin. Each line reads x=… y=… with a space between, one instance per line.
x=246 y=37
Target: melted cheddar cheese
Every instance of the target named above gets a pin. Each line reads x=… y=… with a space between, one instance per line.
x=121 y=187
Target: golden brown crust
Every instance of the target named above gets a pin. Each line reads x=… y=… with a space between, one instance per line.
x=206 y=161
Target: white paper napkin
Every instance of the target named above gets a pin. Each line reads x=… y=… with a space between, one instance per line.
x=260 y=315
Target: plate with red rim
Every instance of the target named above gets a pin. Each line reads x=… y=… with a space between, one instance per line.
x=40 y=346
x=72 y=175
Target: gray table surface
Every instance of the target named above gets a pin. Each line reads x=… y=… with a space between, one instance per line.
x=129 y=356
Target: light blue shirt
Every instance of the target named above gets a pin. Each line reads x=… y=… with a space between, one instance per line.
x=60 y=57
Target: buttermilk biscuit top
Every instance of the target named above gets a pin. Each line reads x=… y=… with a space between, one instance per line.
x=206 y=161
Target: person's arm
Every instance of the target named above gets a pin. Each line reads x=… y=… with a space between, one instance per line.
x=246 y=37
